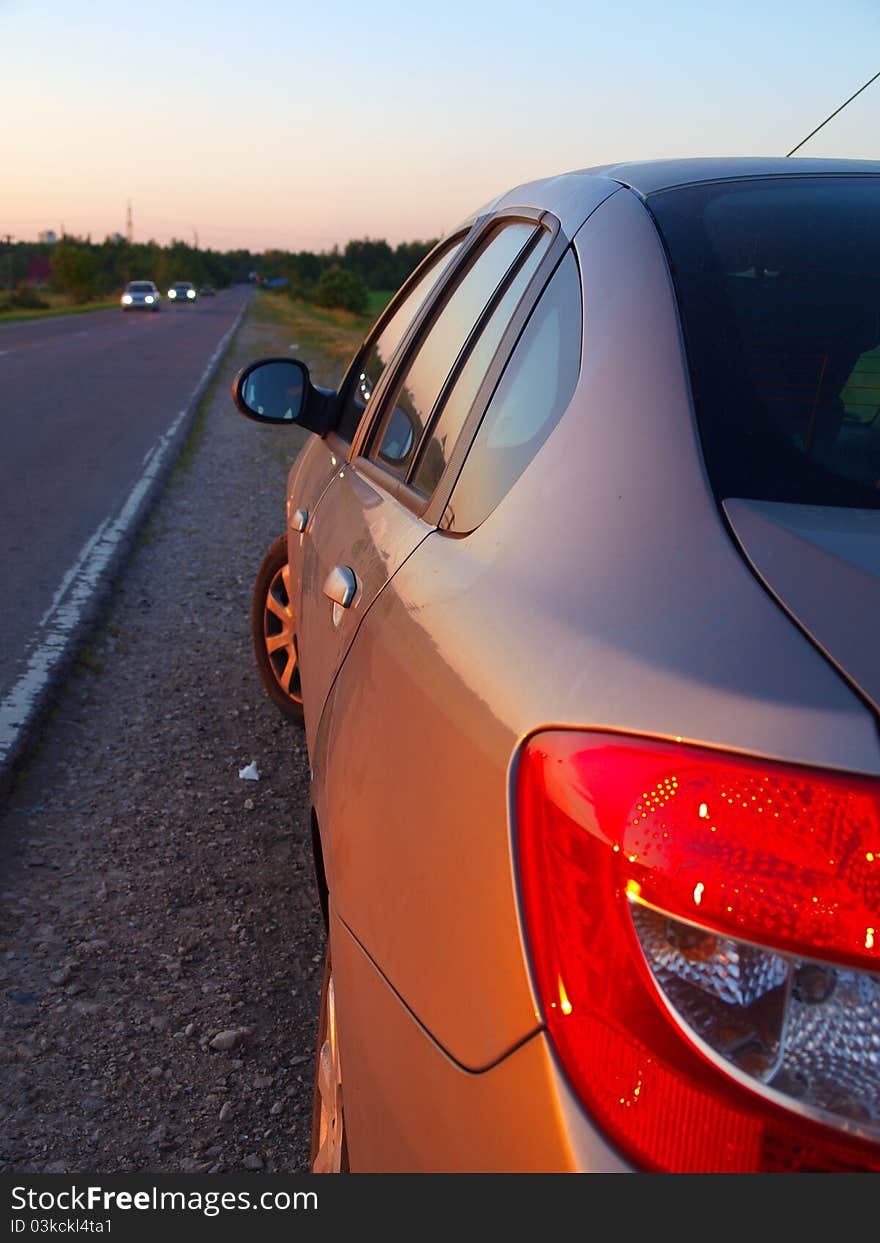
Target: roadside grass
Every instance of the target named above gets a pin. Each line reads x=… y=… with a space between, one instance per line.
x=58 y=305
x=378 y=300
x=330 y=337
x=87 y=661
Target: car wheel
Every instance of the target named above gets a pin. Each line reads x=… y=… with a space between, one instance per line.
x=273 y=627
x=329 y=1153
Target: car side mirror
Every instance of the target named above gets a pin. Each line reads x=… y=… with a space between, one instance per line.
x=279 y=391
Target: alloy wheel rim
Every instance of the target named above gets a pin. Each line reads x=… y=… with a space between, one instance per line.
x=278 y=634
x=328 y=1158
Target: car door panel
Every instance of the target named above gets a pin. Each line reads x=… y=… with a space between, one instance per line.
x=410 y=791
x=358 y=526
x=307 y=480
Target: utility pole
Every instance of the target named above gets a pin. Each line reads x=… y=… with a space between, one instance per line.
x=196 y=238
x=129 y=225
x=10 y=280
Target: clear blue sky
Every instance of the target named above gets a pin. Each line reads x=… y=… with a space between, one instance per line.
x=303 y=125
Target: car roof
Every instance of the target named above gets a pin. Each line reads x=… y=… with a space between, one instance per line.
x=572 y=195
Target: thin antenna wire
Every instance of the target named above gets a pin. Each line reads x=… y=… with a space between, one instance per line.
x=833 y=114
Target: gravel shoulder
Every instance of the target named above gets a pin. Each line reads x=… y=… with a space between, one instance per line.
x=160 y=940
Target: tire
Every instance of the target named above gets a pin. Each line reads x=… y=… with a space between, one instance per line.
x=329 y=1148
x=273 y=628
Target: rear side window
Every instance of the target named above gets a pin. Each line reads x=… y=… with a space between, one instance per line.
x=377 y=356
x=778 y=284
x=417 y=391
x=457 y=406
x=532 y=395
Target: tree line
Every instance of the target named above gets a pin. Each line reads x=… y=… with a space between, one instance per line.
x=85 y=271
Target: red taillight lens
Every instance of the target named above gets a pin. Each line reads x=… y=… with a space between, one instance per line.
x=702 y=935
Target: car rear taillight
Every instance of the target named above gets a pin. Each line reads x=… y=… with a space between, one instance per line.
x=704 y=930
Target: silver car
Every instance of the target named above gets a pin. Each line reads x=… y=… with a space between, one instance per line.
x=140 y=296
x=577 y=603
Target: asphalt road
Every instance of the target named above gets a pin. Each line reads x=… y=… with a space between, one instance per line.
x=150 y=897
x=90 y=407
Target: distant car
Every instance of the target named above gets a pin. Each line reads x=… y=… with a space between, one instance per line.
x=140 y=296
x=578 y=608
x=182 y=291
x=207 y=291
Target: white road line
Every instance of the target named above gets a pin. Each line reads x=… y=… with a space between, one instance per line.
x=74 y=571
x=60 y=621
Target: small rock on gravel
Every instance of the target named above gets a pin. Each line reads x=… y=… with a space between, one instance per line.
x=228 y=1040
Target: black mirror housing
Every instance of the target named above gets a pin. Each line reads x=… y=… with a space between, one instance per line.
x=280 y=391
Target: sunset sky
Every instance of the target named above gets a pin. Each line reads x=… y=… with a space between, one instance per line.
x=303 y=125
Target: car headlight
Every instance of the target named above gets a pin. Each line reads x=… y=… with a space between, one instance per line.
x=126 y=299
x=149 y=298
x=172 y=293
x=190 y=293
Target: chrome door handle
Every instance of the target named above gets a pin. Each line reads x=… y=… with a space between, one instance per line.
x=340 y=585
x=298 y=520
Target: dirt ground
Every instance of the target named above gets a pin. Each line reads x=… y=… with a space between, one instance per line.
x=160 y=940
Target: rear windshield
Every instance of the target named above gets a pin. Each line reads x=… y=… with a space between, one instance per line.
x=140 y=287
x=778 y=283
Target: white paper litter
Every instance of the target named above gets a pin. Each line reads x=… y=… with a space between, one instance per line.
x=249 y=772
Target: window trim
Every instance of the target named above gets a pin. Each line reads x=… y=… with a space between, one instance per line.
x=421 y=325
x=468 y=346
x=425 y=317
x=377 y=475
x=351 y=372
x=504 y=354
x=534 y=291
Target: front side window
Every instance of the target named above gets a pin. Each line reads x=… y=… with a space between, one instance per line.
x=532 y=395
x=417 y=391
x=379 y=353
x=778 y=285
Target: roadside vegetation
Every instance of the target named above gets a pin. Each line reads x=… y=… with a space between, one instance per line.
x=327 y=337
x=47 y=304
x=75 y=274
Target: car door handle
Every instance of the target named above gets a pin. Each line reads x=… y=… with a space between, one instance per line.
x=340 y=585
x=299 y=520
